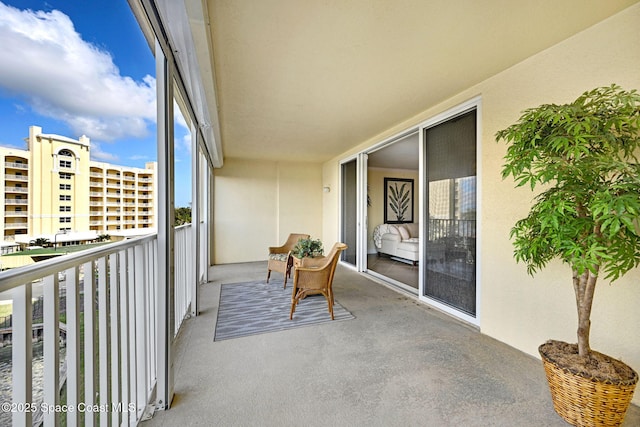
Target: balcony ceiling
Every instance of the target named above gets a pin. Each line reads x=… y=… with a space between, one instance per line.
x=307 y=80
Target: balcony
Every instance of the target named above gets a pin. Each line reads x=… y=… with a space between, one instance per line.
x=14 y=214
x=16 y=202
x=377 y=369
x=11 y=189
x=13 y=177
x=15 y=165
x=15 y=225
x=398 y=362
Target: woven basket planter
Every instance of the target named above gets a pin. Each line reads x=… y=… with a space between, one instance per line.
x=584 y=401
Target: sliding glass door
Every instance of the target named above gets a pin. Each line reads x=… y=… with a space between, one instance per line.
x=349 y=202
x=450 y=223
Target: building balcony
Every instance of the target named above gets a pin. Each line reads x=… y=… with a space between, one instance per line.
x=14 y=177
x=397 y=362
x=96 y=193
x=15 y=214
x=15 y=165
x=379 y=369
x=22 y=190
x=16 y=202
x=15 y=225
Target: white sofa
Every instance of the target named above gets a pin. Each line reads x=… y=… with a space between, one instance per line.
x=398 y=240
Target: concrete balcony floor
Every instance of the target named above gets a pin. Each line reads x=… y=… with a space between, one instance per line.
x=398 y=363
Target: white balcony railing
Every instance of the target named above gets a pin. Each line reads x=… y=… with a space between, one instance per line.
x=16 y=165
x=110 y=307
x=16 y=202
x=9 y=189
x=12 y=214
x=15 y=225
x=12 y=177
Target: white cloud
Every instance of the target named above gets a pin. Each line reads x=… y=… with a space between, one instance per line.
x=101 y=156
x=47 y=64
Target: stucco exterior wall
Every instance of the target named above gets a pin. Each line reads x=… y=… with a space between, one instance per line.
x=259 y=203
x=520 y=310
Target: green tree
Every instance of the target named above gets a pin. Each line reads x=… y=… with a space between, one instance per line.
x=40 y=241
x=584 y=156
x=182 y=216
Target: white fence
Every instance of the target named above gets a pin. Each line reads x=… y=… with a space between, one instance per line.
x=108 y=373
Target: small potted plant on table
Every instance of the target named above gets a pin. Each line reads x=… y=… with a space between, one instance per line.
x=584 y=156
x=306 y=248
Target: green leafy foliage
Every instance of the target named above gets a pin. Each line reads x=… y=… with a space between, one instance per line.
x=583 y=155
x=40 y=241
x=182 y=216
x=308 y=248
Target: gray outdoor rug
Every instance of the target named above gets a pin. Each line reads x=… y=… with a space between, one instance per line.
x=253 y=308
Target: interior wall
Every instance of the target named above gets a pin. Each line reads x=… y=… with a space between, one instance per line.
x=259 y=203
x=375 y=182
x=515 y=308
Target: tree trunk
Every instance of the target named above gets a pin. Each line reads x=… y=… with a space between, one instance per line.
x=584 y=286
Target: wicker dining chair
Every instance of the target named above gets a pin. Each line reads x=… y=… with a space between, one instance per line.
x=315 y=276
x=280 y=259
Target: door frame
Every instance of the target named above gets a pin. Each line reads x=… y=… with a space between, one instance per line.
x=361 y=238
x=472 y=104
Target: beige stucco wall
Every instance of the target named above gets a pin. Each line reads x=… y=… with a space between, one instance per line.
x=515 y=308
x=259 y=203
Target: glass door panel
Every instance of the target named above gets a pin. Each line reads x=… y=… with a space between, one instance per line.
x=450 y=247
x=349 y=231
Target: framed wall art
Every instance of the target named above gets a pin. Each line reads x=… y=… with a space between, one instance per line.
x=398 y=200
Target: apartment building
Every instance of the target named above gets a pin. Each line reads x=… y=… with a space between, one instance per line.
x=54 y=190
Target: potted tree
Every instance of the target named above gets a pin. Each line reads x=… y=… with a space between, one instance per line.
x=584 y=156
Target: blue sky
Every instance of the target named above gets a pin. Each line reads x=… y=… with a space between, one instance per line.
x=82 y=67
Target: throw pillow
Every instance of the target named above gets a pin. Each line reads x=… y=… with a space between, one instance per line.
x=404 y=233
